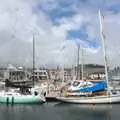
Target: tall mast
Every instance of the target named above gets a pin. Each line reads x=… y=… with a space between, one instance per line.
x=82 y=64
x=63 y=69
x=101 y=19
x=63 y=79
x=78 y=65
x=74 y=68
x=33 y=60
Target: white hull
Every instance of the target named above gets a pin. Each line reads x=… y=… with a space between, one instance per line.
x=91 y=100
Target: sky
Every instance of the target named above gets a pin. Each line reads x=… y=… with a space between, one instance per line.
x=58 y=27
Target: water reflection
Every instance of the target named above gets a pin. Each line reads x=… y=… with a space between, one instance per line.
x=19 y=112
x=61 y=111
x=87 y=112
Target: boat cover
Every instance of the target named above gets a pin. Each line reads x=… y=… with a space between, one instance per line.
x=100 y=86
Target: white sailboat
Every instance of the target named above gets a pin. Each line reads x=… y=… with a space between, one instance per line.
x=108 y=98
x=91 y=100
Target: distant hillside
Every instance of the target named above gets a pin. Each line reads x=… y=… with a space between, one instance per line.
x=92 y=66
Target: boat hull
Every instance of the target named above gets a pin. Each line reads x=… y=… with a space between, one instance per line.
x=23 y=99
x=91 y=100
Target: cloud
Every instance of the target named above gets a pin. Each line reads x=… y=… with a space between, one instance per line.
x=18 y=23
x=51 y=22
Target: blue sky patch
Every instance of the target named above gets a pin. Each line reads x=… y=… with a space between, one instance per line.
x=79 y=36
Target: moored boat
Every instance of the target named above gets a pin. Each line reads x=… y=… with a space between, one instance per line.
x=13 y=97
x=91 y=100
x=111 y=96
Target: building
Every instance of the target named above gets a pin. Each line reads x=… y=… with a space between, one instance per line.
x=90 y=71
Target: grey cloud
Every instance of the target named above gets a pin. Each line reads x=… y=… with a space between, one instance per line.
x=19 y=21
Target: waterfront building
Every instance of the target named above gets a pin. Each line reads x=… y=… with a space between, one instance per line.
x=91 y=71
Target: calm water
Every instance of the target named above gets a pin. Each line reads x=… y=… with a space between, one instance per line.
x=54 y=111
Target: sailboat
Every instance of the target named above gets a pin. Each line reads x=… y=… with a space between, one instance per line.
x=15 y=96
x=109 y=97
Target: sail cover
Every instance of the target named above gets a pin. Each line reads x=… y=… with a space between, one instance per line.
x=100 y=86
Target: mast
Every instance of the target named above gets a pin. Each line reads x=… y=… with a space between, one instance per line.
x=63 y=70
x=82 y=64
x=63 y=75
x=33 y=60
x=101 y=19
x=74 y=68
x=78 y=65
x=63 y=65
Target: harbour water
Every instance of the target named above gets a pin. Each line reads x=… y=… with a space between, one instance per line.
x=58 y=111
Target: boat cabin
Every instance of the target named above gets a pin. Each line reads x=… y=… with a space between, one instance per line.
x=77 y=84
